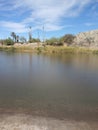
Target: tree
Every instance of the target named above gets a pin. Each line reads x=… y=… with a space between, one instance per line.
x=68 y=38
x=13 y=36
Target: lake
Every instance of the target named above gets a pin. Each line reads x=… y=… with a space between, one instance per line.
x=56 y=86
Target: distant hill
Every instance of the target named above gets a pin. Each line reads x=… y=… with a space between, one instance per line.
x=87 y=39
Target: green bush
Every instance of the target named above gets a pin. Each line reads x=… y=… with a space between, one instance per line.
x=33 y=40
x=54 y=41
x=8 y=42
x=68 y=38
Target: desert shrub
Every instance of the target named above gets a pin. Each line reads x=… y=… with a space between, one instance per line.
x=8 y=41
x=54 y=41
x=68 y=38
x=33 y=40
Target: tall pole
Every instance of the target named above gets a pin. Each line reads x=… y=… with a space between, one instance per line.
x=30 y=33
x=38 y=43
x=43 y=34
x=38 y=35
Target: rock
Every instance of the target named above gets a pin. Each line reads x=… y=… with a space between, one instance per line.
x=87 y=39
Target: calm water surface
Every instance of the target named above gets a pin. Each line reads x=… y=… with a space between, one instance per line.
x=60 y=86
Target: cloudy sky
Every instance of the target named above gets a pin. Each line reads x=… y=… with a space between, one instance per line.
x=58 y=17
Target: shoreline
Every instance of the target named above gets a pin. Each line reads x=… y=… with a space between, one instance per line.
x=87 y=114
x=49 y=49
x=28 y=122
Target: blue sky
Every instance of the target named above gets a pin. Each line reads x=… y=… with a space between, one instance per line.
x=59 y=17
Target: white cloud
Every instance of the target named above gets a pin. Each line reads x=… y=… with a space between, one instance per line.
x=51 y=12
x=90 y=24
x=47 y=12
x=13 y=26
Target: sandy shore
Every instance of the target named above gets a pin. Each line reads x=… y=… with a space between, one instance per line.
x=28 y=122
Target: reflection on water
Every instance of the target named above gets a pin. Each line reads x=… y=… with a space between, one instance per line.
x=57 y=85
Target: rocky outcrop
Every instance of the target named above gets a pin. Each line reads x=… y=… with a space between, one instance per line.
x=87 y=39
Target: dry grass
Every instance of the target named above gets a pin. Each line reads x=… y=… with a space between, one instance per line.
x=50 y=49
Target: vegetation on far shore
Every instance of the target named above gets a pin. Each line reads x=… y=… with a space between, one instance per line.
x=50 y=49
x=53 y=45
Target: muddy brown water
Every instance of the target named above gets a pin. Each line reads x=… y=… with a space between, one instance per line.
x=55 y=86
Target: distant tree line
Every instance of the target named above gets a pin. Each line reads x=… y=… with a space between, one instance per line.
x=17 y=39
x=66 y=39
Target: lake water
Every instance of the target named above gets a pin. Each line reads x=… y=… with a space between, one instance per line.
x=59 y=86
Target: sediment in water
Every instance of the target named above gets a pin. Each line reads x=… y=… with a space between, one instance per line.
x=28 y=122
